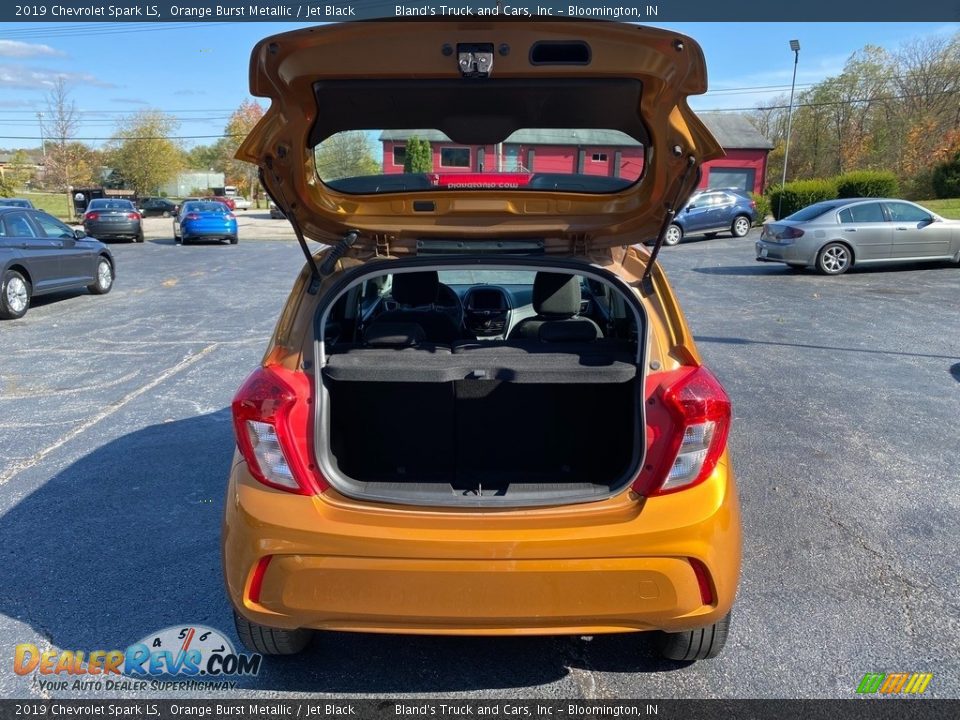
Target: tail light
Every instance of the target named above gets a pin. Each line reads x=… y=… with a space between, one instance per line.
x=687 y=432
x=790 y=233
x=271 y=419
x=191 y=216
x=230 y=216
x=133 y=216
x=91 y=216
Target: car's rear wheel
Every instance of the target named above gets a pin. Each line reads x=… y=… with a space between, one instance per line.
x=271 y=641
x=673 y=236
x=834 y=259
x=104 y=279
x=740 y=226
x=139 y=238
x=166 y=213
x=700 y=644
x=14 y=295
x=234 y=240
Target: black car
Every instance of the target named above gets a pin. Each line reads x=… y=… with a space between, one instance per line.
x=113 y=219
x=39 y=255
x=158 y=207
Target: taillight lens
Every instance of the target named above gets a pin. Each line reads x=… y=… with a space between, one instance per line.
x=133 y=216
x=790 y=233
x=91 y=216
x=230 y=216
x=688 y=437
x=191 y=216
x=271 y=419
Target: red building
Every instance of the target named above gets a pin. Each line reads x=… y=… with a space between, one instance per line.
x=591 y=152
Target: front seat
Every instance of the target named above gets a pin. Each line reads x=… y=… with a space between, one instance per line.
x=556 y=300
x=416 y=293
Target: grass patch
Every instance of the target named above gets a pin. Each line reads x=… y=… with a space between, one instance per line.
x=948 y=207
x=54 y=203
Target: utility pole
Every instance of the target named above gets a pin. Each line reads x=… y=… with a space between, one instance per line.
x=795 y=47
x=43 y=145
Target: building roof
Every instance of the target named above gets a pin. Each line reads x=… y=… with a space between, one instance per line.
x=732 y=130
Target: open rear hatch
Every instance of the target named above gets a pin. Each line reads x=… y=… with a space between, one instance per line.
x=483 y=94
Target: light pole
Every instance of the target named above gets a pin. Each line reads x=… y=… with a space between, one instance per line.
x=795 y=46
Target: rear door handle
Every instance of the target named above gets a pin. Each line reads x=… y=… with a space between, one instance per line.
x=901 y=228
x=849 y=229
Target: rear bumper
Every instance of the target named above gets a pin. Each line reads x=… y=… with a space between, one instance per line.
x=193 y=231
x=778 y=252
x=113 y=230
x=611 y=566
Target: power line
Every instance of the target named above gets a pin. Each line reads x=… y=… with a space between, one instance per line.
x=158 y=137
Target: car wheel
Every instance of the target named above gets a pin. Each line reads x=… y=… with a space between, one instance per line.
x=740 y=226
x=700 y=644
x=271 y=641
x=166 y=213
x=234 y=240
x=673 y=236
x=104 y=279
x=14 y=295
x=139 y=238
x=834 y=259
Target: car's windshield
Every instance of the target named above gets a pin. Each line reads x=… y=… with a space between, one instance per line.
x=14 y=203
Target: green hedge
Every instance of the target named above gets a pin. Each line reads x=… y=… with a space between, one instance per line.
x=946 y=178
x=763 y=208
x=867 y=183
x=787 y=199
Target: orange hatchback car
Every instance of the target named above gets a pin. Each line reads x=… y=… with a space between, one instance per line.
x=482 y=411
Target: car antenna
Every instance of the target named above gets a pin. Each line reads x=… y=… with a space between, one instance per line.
x=671 y=213
x=315 y=275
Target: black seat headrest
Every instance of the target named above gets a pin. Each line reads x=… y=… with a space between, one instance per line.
x=567 y=331
x=556 y=295
x=393 y=334
x=416 y=288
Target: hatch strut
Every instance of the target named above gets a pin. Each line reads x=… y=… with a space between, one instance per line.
x=288 y=211
x=671 y=213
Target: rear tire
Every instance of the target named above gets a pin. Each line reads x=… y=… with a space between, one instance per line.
x=271 y=641
x=834 y=259
x=740 y=226
x=139 y=238
x=15 y=292
x=234 y=240
x=699 y=644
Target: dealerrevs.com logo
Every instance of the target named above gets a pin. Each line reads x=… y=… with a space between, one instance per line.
x=186 y=656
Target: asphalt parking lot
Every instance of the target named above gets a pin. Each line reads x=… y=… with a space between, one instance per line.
x=115 y=441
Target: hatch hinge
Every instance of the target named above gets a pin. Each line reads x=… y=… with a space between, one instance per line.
x=580 y=244
x=475 y=60
x=381 y=245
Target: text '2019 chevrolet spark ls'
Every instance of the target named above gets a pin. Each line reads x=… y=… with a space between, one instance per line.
x=482 y=411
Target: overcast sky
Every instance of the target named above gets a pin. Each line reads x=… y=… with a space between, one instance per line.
x=198 y=72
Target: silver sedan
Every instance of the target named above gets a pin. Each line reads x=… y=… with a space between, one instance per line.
x=834 y=235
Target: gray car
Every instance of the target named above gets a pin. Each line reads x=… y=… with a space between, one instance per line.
x=835 y=235
x=113 y=219
x=39 y=255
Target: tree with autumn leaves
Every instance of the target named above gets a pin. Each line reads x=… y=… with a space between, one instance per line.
x=893 y=110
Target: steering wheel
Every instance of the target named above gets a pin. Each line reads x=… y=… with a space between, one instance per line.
x=450 y=303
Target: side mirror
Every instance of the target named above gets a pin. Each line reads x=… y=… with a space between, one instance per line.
x=79 y=234
x=40 y=210
x=690 y=207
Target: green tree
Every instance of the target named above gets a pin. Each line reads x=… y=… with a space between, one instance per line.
x=238 y=172
x=21 y=169
x=6 y=187
x=143 y=152
x=418 y=157
x=346 y=154
x=204 y=157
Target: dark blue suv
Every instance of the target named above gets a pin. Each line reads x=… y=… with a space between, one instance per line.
x=709 y=212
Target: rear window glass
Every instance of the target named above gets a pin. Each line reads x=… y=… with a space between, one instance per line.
x=99 y=204
x=813 y=211
x=207 y=207
x=573 y=160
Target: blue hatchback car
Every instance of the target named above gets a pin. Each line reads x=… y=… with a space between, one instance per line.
x=204 y=220
x=710 y=212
